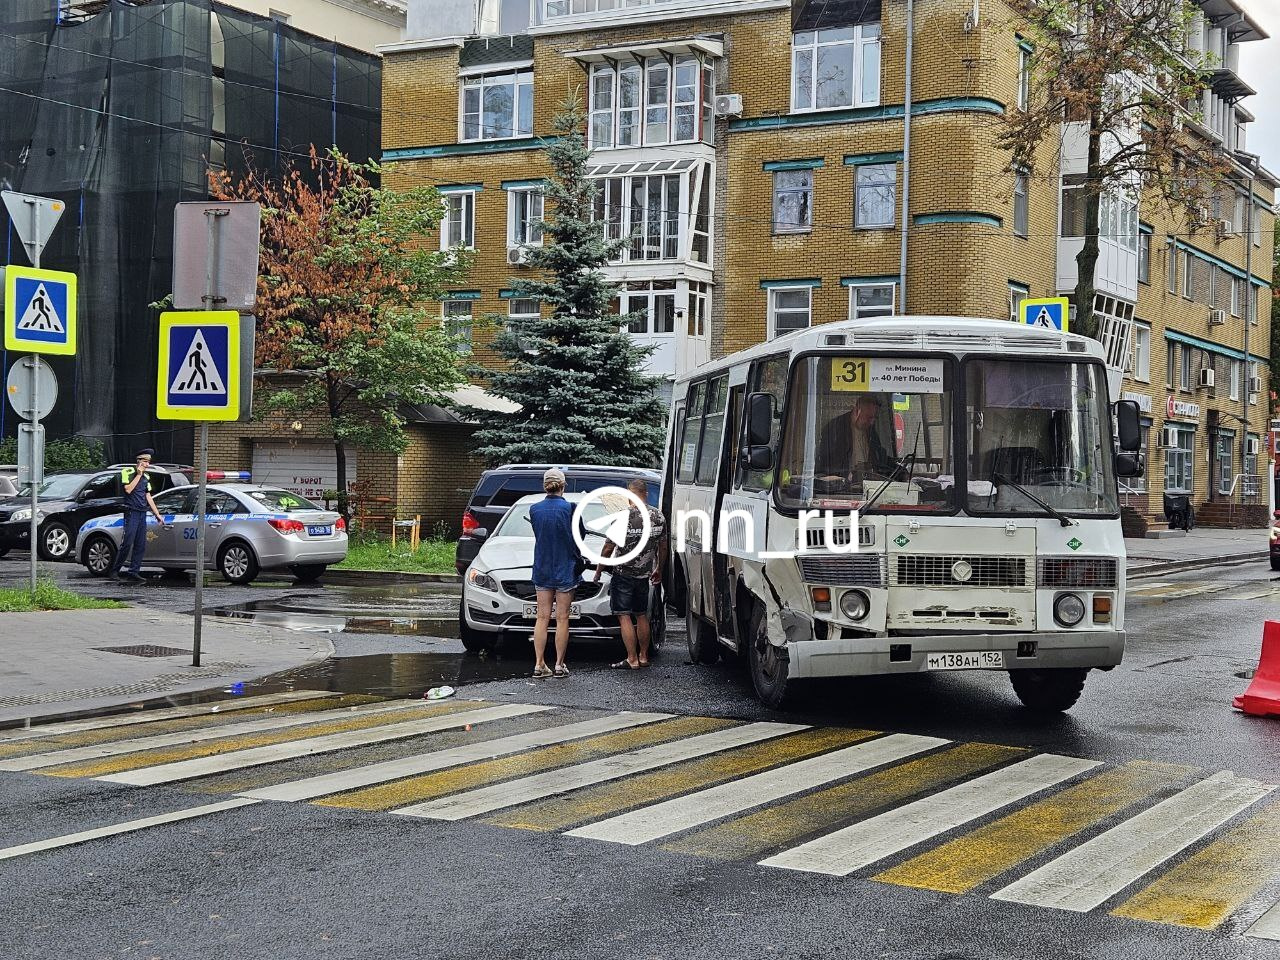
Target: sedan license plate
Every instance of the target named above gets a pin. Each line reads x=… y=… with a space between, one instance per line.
x=981 y=660
x=319 y=531
x=531 y=611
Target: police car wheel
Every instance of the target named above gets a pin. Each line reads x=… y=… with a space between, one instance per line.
x=55 y=541
x=236 y=562
x=99 y=556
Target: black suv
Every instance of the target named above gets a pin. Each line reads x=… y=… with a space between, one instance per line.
x=501 y=487
x=66 y=500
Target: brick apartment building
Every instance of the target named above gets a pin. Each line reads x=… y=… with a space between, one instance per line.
x=754 y=151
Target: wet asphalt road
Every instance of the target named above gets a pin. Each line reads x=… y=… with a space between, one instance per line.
x=299 y=881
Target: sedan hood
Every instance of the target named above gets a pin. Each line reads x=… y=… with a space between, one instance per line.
x=506 y=553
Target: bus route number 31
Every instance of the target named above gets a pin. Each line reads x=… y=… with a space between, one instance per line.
x=850 y=373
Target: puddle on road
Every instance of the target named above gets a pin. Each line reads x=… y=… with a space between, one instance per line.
x=402 y=612
x=390 y=674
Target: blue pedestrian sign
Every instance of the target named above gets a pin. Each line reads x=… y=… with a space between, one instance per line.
x=1051 y=312
x=199 y=370
x=39 y=311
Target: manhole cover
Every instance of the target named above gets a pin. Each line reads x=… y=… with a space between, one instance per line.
x=146 y=650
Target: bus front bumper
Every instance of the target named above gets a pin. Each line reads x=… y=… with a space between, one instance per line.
x=868 y=656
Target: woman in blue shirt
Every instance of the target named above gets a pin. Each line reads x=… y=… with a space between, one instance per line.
x=555 y=558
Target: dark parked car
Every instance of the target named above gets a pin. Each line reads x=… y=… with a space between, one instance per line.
x=500 y=488
x=66 y=500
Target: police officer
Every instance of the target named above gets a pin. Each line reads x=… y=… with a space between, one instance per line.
x=137 y=502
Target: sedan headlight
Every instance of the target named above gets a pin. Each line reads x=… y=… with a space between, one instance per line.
x=26 y=515
x=1068 y=609
x=482 y=581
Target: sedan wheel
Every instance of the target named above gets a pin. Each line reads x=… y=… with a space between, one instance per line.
x=100 y=556
x=55 y=541
x=237 y=564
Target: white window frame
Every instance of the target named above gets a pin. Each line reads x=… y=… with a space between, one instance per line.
x=642 y=297
x=466 y=345
x=1188 y=275
x=1237 y=298
x=467 y=199
x=858 y=187
x=1144 y=256
x=1181 y=460
x=867 y=313
x=1021 y=202
x=774 y=310
x=1024 y=77
x=1141 y=362
x=862 y=37
x=520 y=79
x=778 y=226
x=1017 y=293
x=1236 y=367
x=530 y=221
x=643 y=70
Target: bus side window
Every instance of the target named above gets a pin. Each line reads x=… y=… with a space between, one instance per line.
x=689 y=431
x=767 y=376
x=712 y=431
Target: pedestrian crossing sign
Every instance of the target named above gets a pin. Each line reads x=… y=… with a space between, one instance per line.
x=1050 y=312
x=199 y=369
x=39 y=311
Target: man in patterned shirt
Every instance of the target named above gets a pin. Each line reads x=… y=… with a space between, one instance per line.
x=631 y=581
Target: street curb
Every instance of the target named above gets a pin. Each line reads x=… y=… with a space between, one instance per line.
x=363 y=577
x=1161 y=567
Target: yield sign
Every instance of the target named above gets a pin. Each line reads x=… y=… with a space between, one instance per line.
x=34 y=218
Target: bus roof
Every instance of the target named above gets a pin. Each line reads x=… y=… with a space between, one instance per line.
x=957 y=335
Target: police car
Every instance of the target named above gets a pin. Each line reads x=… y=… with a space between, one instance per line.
x=248 y=528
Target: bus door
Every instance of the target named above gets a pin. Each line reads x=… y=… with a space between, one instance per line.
x=722 y=586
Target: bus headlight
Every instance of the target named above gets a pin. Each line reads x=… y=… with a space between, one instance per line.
x=854 y=604
x=1068 y=609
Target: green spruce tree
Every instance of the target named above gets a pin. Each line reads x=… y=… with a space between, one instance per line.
x=579 y=380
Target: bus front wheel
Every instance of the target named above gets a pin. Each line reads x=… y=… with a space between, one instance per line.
x=1048 y=691
x=768 y=663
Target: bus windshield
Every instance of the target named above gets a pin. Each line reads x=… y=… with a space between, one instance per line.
x=870 y=433
x=1038 y=431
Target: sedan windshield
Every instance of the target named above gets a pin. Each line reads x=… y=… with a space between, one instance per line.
x=868 y=432
x=1038 y=431
x=62 y=487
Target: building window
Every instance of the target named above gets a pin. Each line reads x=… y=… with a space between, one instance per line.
x=792 y=201
x=1170 y=363
x=1179 y=460
x=1017 y=293
x=1171 y=257
x=1021 y=184
x=1184 y=370
x=1073 y=206
x=1237 y=296
x=497 y=106
x=524 y=218
x=651 y=102
x=1141 y=364
x=1144 y=256
x=650 y=307
x=834 y=68
x=789 y=309
x=657 y=107
x=875 y=190
x=458 y=229
x=1188 y=275
x=519 y=311
x=457 y=323
x=1024 y=78
x=1250 y=478
x=868 y=300
x=1236 y=366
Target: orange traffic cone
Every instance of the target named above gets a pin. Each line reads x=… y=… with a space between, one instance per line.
x=1262 y=699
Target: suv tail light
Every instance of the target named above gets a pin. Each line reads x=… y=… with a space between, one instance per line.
x=469 y=523
x=286 y=526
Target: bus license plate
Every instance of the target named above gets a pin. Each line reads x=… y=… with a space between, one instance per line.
x=981 y=660
x=319 y=531
x=531 y=611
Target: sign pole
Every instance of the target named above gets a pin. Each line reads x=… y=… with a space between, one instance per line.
x=33 y=368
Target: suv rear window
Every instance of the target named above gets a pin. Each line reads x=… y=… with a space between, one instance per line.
x=580 y=484
x=515 y=487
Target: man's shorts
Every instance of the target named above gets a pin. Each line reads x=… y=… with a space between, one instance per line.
x=629 y=594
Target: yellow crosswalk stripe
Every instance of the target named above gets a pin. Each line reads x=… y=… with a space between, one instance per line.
x=1213 y=883
x=429 y=786
x=607 y=799
x=785 y=823
x=351 y=721
x=973 y=859
x=91 y=738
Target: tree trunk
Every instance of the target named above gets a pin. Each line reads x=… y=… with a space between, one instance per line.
x=339 y=454
x=1087 y=259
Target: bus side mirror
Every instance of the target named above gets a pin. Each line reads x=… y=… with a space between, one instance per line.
x=759 y=419
x=1129 y=465
x=1128 y=426
x=759 y=458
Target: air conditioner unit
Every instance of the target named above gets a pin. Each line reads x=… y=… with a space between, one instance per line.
x=728 y=104
x=1255 y=384
x=1223 y=229
x=1253 y=447
x=1216 y=317
x=518 y=256
x=1168 y=437
x=1206 y=377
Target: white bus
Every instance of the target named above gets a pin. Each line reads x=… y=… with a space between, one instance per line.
x=980 y=460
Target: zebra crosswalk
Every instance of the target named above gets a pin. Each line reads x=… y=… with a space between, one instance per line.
x=1142 y=841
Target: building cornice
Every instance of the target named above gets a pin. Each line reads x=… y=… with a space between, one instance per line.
x=630 y=16
x=414 y=46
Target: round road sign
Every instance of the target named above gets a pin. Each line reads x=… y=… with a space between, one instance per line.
x=18 y=388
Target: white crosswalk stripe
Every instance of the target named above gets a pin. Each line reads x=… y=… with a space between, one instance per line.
x=344 y=780
x=164 y=713
x=1266 y=927
x=864 y=843
x=1097 y=870
x=256 y=756
x=486 y=799
x=682 y=813
x=118 y=747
